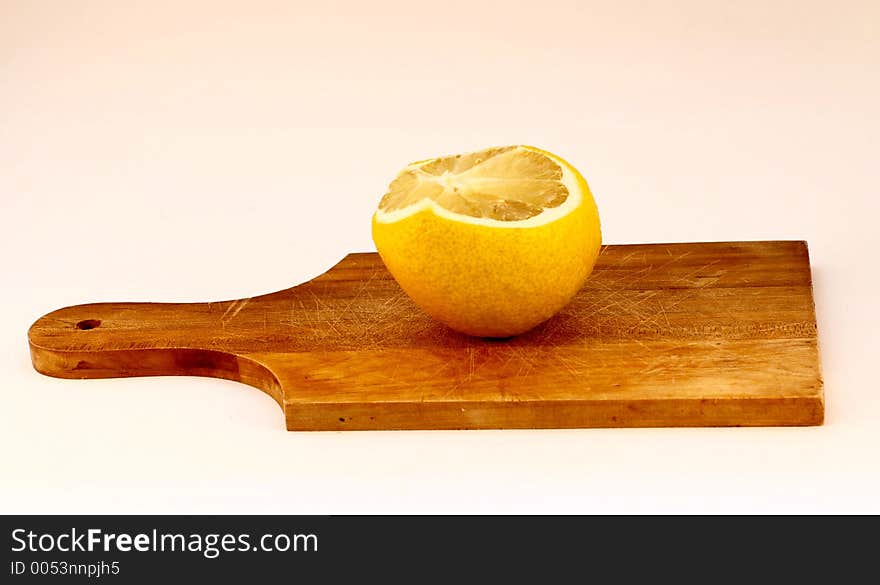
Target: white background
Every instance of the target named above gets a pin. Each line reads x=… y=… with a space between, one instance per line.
x=161 y=151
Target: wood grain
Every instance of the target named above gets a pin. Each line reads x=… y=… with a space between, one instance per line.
x=710 y=334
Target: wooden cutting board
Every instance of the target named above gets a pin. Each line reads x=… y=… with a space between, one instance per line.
x=712 y=334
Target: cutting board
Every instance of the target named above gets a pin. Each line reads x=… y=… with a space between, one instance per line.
x=699 y=334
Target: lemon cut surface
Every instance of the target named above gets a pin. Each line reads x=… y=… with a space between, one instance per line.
x=491 y=243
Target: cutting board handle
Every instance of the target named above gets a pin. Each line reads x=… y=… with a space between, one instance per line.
x=114 y=340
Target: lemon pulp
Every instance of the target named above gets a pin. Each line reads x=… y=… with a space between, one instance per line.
x=506 y=184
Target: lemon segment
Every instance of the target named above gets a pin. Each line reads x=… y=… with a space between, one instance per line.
x=506 y=184
x=490 y=243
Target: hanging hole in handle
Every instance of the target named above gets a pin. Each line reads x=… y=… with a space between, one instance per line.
x=87 y=324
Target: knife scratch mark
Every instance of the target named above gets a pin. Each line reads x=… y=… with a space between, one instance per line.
x=235 y=307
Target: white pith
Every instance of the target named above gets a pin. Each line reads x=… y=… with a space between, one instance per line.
x=548 y=215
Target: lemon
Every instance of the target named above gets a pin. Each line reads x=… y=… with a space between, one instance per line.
x=491 y=243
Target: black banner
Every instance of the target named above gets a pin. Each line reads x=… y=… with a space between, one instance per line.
x=130 y=549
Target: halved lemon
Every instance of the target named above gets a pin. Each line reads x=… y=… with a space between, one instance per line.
x=491 y=243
